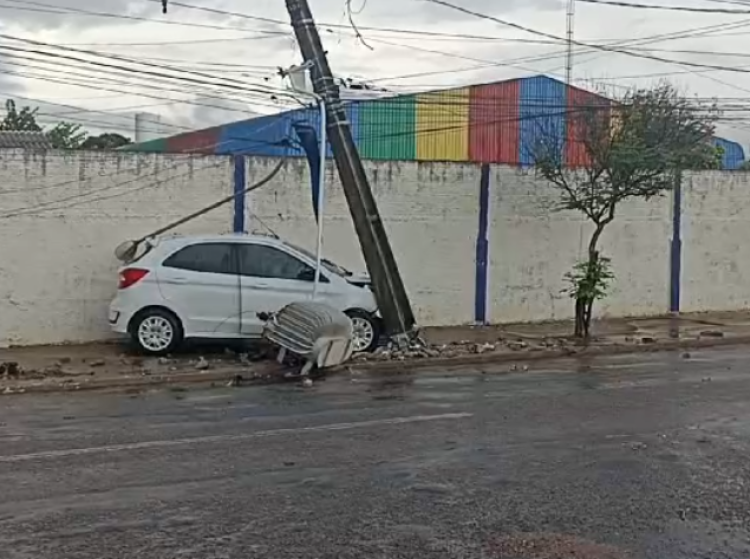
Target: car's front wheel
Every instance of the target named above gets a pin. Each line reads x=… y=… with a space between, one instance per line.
x=156 y=332
x=366 y=329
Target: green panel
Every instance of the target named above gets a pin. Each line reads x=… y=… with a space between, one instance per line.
x=386 y=129
x=152 y=146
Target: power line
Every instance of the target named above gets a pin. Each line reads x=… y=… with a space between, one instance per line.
x=44 y=206
x=579 y=43
x=689 y=33
x=182 y=155
x=232 y=84
x=119 y=69
x=88 y=85
x=267 y=35
x=665 y=7
x=29 y=5
x=98 y=81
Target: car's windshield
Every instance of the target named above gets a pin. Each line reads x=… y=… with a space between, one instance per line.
x=327 y=264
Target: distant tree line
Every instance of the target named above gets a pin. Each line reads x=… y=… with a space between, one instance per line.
x=63 y=135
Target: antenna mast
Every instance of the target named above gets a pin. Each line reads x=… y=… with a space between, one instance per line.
x=571 y=21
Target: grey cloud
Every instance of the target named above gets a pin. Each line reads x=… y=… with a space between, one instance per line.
x=430 y=13
x=209 y=112
x=72 y=14
x=37 y=16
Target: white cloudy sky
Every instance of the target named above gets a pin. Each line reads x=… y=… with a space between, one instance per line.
x=242 y=52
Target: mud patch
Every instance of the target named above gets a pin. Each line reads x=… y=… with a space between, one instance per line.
x=551 y=546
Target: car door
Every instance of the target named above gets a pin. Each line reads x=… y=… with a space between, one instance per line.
x=201 y=283
x=271 y=279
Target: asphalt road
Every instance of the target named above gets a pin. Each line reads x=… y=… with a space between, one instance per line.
x=640 y=456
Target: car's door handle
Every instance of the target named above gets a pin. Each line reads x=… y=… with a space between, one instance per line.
x=261 y=285
x=177 y=280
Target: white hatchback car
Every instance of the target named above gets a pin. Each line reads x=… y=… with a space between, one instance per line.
x=214 y=287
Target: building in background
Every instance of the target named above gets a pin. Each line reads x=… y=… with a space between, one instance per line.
x=499 y=122
x=25 y=140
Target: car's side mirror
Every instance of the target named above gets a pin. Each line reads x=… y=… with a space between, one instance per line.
x=308 y=274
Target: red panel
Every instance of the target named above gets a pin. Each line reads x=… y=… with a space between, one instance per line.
x=201 y=142
x=579 y=106
x=493 y=123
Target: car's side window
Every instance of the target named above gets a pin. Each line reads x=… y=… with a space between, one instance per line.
x=262 y=261
x=215 y=258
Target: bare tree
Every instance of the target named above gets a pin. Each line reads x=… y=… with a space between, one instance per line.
x=630 y=148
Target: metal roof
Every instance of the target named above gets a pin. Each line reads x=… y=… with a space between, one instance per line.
x=25 y=140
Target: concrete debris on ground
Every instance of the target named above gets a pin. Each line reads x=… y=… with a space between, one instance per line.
x=420 y=350
x=86 y=366
x=106 y=365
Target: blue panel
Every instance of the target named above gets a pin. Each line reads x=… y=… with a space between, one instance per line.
x=542 y=115
x=268 y=135
x=675 y=253
x=311 y=116
x=482 y=249
x=239 y=194
x=734 y=155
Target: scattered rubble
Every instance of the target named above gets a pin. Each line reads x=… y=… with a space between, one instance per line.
x=202 y=364
x=10 y=369
x=456 y=349
x=235 y=382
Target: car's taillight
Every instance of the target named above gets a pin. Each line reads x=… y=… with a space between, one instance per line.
x=131 y=276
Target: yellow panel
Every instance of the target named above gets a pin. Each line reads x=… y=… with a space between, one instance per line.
x=442 y=125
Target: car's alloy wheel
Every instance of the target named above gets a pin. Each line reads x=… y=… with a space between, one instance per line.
x=156 y=332
x=365 y=332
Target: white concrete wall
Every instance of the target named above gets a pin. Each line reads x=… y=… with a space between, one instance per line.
x=716 y=241
x=532 y=246
x=429 y=211
x=61 y=216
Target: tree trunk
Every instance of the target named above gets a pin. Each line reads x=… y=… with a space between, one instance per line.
x=584 y=306
x=580 y=325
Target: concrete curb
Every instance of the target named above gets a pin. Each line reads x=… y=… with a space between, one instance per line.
x=139 y=383
x=526 y=356
x=224 y=375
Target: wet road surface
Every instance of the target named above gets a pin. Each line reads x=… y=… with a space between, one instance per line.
x=633 y=456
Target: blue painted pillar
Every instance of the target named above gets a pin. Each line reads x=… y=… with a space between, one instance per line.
x=238 y=225
x=675 y=256
x=482 y=249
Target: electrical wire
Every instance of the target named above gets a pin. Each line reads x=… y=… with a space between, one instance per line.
x=146 y=90
x=533 y=31
x=173 y=43
x=231 y=83
x=31 y=6
x=45 y=206
x=689 y=33
x=665 y=7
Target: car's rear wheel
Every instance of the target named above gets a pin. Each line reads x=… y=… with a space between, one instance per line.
x=366 y=329
x=156 y=332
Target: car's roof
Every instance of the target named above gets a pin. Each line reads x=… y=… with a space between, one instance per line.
x=221 y=238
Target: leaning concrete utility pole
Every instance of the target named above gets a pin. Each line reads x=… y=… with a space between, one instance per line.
x=389 y=288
